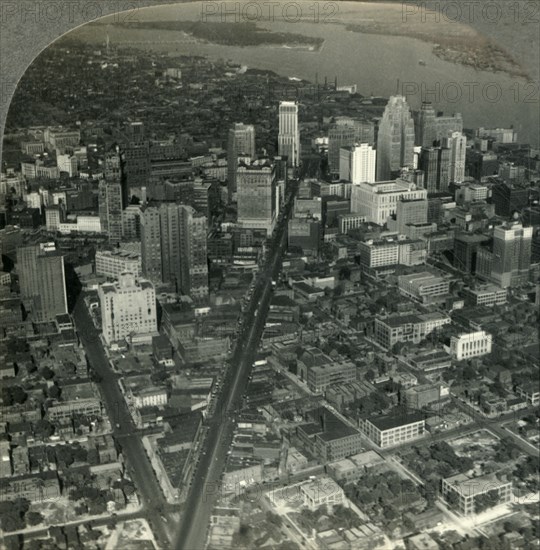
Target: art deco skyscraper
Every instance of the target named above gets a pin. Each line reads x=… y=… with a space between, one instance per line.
x=241 y=142
x=289 y=133
x=42 y=280
x=395 y=141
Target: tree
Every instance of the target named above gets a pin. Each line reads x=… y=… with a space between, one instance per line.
x=34 y=518
x=47 y=373
x=54 y=392
x=452 y=498
x=12 y=395
x=486 y=500
x=11 y=521
x=274 y=519
x=43 y=428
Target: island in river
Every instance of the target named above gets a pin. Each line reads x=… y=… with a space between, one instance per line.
x=230 y=34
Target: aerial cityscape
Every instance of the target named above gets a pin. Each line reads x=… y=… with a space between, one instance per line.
x=241 y=308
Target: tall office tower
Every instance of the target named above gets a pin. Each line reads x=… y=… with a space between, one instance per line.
x=511 y=254
x=289 y=132
x=345 y=132
x=42 y=280
x=339 y=136
x=136 y=157
x=395 y=141
x=183 y=249
x=257 y=196
x=435 y=163
x=357 y=163
x=110 y=209
x=241 y=142
x=432 y=126
x=509 y=198
x=128 y=308
x=112 y=198
x=466 y=247
x=151 y=244
x=409 y=211
x=457 y=144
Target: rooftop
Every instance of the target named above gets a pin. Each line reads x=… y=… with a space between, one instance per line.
x=396 y=420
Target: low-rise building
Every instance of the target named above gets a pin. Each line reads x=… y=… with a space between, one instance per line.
x=329 y=438
x=488 y=295
x=465 y=493
x=531 y=394
x=77 y=399
x=423 y=287
x=386 y=431
x=425 y=395
x=407 y=328
x=472 y=344
x=321 y=492
x=143 y=393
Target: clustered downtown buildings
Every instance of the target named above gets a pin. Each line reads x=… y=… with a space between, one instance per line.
x=402 y=309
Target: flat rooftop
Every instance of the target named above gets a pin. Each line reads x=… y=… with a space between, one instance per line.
x=395 y=421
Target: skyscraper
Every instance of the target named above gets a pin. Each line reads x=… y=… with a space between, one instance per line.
x=435 y=163
x=395 y=141
x=357 y=163
x=183 y=249
x=257 y=196
x=174 y=248
x=42 y=280
x=511 y=254
x=432 y=126
x=344 y=132
x=112 y=198
x=457 y=144
x=151 y=244
x=241 y=141
x=289 y=133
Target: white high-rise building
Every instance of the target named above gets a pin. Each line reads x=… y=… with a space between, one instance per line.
x=457 y=143
x=377 y=201
x=395 y=140
x=357 y=163
x=128 y=308
x=512 y=244
x=289 y=133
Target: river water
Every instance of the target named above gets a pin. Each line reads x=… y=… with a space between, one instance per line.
x=379 y=65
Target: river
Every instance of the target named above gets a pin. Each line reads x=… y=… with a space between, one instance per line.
x=379 y=65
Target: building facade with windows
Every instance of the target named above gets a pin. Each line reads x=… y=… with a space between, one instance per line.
x=472 y=344
x=386 y=431
x=128 y=308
